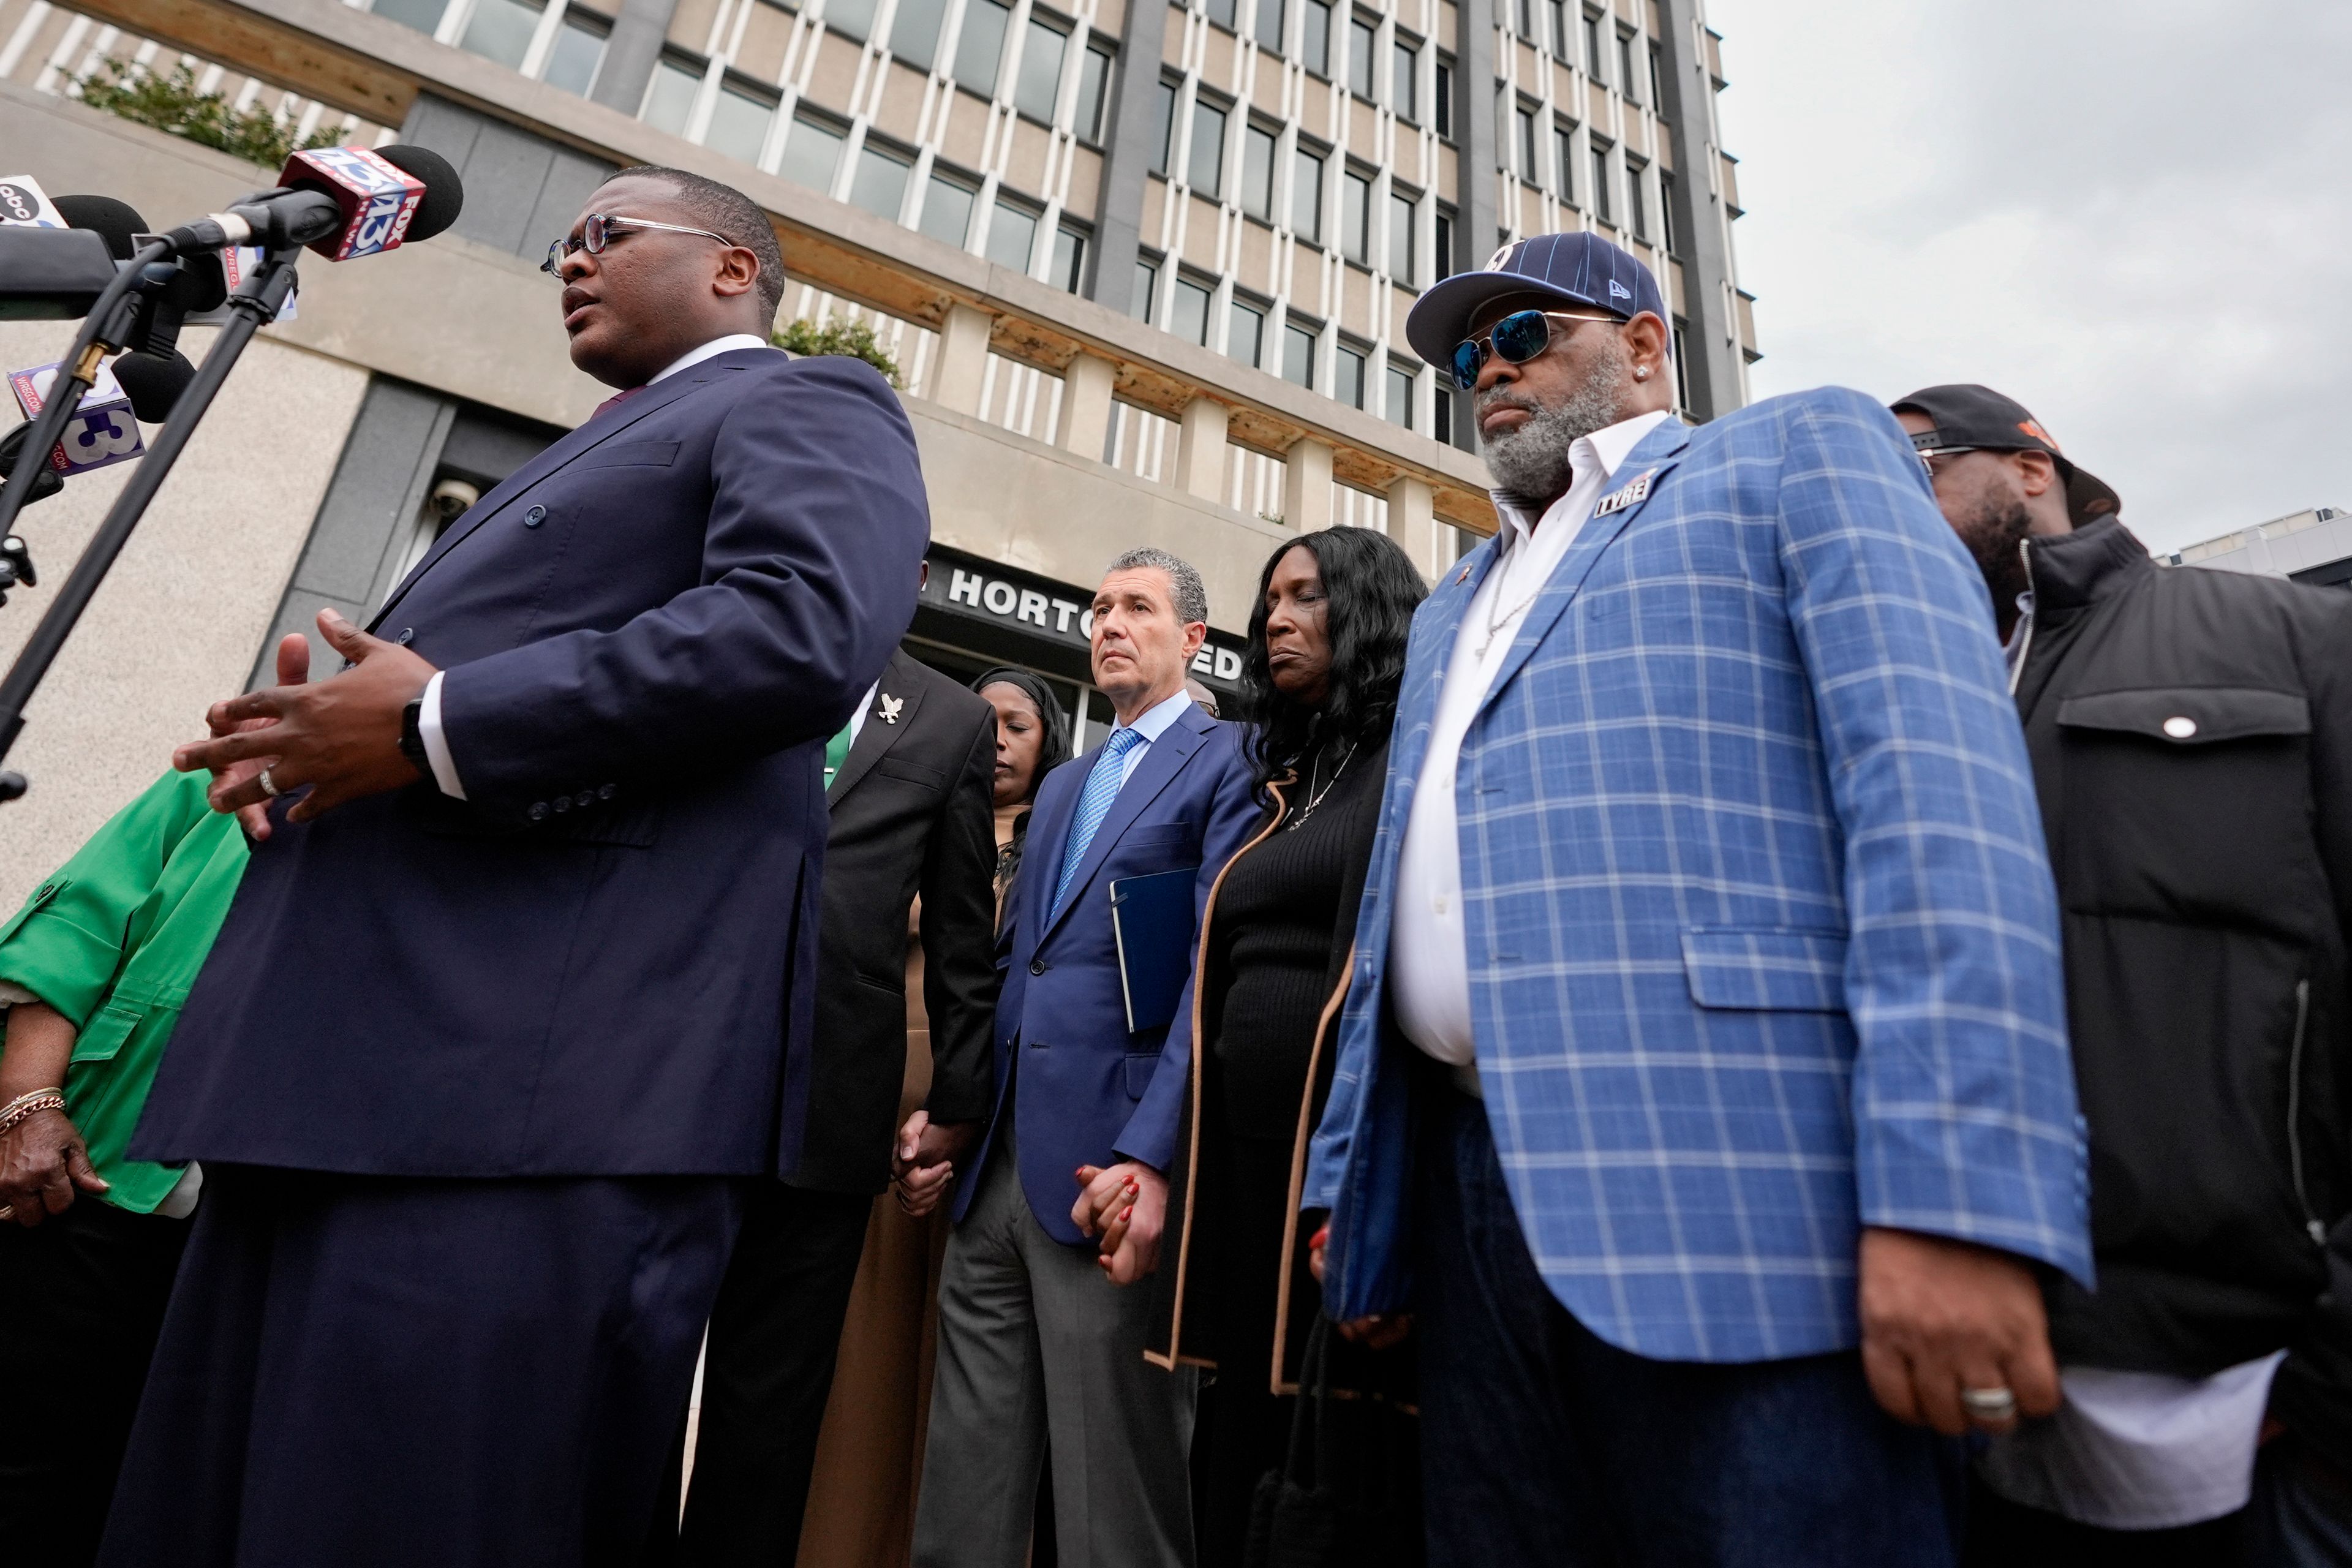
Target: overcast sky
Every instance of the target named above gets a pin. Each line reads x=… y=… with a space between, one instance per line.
x=2135 y=216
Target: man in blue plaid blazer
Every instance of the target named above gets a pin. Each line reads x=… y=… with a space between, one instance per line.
x=1704 y=1069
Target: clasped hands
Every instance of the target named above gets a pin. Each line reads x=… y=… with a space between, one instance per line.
x=340 y=738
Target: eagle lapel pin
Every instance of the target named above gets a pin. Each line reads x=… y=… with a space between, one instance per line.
x=891 y=708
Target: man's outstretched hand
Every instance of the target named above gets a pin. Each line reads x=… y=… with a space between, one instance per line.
x=339 y=737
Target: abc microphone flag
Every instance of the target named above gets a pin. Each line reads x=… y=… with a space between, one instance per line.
x=378 y=199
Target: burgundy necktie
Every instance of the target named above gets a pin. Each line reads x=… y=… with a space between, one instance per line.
x=617 y=399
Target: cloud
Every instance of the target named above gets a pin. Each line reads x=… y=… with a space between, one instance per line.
x=2131 y=217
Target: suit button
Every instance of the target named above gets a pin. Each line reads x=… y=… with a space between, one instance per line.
x=534 y=517
x=407 y=634
x=1037 y=966
x=538 y=812
x=562 y=803
x=607 y=792
x=585 y=799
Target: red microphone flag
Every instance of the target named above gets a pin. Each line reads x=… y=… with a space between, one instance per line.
x=378 y=200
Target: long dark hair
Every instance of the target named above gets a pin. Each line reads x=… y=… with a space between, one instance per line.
x=1369 y=591
x=1054 y=745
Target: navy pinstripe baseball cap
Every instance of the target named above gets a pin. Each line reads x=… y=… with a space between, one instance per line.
x=1576 y=269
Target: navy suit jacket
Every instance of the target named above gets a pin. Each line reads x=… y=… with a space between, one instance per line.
x=1089 y=1092
x=603 y=960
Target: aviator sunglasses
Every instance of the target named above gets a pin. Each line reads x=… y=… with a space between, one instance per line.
x=1518 y=338
x=597 y=231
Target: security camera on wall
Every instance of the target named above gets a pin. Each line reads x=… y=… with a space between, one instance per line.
x=451 y=498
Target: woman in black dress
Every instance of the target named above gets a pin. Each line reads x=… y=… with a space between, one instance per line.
x=1326 y=658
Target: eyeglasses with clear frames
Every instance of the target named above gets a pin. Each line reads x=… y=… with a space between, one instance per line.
x=597 y=231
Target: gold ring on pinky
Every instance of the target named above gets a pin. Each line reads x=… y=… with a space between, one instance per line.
x=1989 y=1405
x=268 y=785
x=8 y=1212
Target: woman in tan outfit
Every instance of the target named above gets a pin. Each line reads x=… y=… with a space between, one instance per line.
x=861 y=1505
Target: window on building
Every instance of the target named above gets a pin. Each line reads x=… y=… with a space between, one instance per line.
x=1523 y=19
x=502 y=30
x=1163 y=126
x=670 y=97
x=1563 y=43
x=1627 y=83
x=1257 y=172
x=1400 y=239
x=1594 y=66
x=812 y=154
x=947 y=210
x=879 y=184
x=851 y=18
x=1637 y=208
x=1069 y=260
x=1147 y=282
x=1523 y=143
x=1602 y=206
x=1405 y=82
x=1011 y=235
x=1348 y=376
x=1041 y=71
x=1359 y=58
x=1094 y=81
x=1399 y=392
x=424 y=16
x=980 y=45
x=1355 y=218
x=1441 y=97
x=1563 y=162
x=1246 y=332
x=1681 y=376
x=1441 y=266
x=1441 y=416
x=1298 y=355
x=740 y=119
x=1188 y=315
x=1315 y=44
x=1220 y=12
x=1307 y=196
x=915 y=31
x=1204 y=165
x=1657 y=97
x=578 y=50
x=1666 y=210
x=1269 y=25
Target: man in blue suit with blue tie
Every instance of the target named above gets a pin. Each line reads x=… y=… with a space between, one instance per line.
x=515 y=998
x=1703 y=1074
x=1033 y=1339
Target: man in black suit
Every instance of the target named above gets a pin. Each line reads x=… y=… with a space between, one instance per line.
x=909 y=798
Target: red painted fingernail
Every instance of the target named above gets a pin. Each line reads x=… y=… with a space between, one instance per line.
x=1127 y=1213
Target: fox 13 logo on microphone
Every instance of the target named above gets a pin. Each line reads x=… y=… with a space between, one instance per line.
x=379 y=200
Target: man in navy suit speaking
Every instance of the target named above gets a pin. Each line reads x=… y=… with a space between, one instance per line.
x=516 y=997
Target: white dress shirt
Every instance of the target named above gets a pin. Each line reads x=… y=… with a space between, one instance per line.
x=428 y=717
x=1429 y=966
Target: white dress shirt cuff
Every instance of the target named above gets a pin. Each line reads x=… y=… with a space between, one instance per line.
x=437 y=744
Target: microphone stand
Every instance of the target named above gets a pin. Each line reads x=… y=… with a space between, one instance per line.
x=252 y=306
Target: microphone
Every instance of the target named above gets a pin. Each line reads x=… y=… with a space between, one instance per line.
x=116 y=222
x=341 y=202
x=45 y=483
x=50 y=274
x=153 y=381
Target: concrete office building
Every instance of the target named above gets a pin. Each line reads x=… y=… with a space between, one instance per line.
x=2314 y=545
x=1144 y=269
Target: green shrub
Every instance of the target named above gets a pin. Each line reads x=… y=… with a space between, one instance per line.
x=853 y=339
x=173 y=103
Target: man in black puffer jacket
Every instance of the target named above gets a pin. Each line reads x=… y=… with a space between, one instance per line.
x=2191 y=739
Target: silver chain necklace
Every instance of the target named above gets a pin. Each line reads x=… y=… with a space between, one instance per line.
x=1315 y=796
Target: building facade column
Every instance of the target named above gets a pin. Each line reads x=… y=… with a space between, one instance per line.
x=1307 y=485
x=1413 y=524
x=1201 y=449
x=1702 y=224
x=962 y=369
x=1127 y=156
x=631 y=53
x=1084 y=425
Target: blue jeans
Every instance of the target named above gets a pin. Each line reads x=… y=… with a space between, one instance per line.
x=1541 y=1444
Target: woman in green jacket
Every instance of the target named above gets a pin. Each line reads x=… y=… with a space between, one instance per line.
x=93 y=970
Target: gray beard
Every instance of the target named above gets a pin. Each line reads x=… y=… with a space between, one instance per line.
x=1534 y=459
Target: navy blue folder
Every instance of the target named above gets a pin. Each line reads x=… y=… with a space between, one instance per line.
x=1151 y=919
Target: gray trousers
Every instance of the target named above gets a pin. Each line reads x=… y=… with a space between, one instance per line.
x=1033 y=1339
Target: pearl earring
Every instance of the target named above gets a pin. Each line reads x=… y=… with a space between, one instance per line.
x=1641 y=372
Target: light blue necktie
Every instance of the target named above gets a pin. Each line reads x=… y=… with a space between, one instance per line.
x=1102 y=788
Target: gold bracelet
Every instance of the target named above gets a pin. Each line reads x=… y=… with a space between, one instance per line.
x=29 y=1094
x=27 y=1105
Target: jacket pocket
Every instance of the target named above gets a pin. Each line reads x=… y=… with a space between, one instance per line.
x=102 y=1038
x=1141 y=1066
x=627 y=454
x=1165 y=833
x=2141 y=771
x=1766 y=968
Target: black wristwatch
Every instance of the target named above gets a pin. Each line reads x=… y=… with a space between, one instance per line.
x=412 y=735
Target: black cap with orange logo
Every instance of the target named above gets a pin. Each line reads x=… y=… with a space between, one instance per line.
x=1977 y=418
